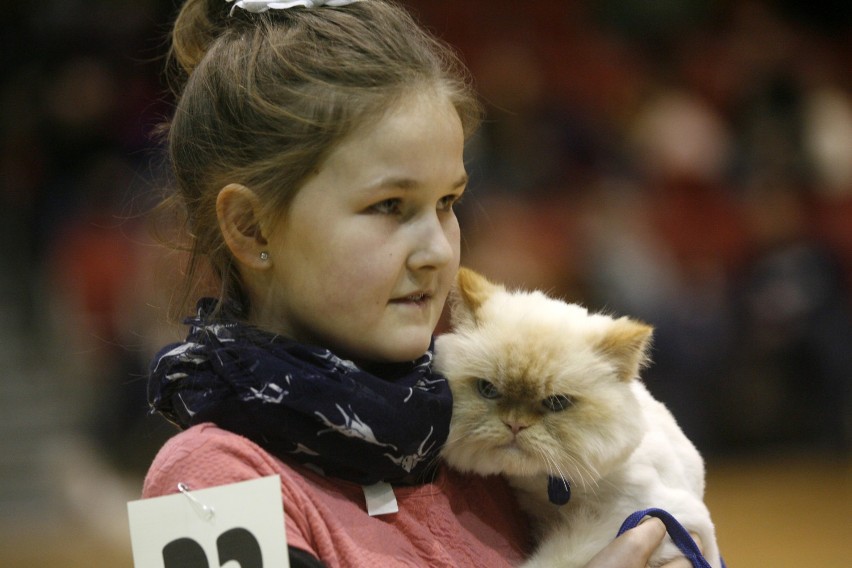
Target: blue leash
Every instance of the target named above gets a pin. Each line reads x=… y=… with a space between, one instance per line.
x=680 y=536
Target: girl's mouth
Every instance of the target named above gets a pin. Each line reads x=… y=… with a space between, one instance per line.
x=418 y=298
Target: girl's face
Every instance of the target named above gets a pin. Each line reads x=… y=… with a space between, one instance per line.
x=364 y=259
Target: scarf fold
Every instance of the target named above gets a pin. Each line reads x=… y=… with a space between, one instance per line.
x=303 y=403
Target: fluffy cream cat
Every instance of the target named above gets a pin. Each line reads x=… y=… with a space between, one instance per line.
x=545 y=391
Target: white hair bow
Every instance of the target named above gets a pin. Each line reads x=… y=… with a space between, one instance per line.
x=258 y=6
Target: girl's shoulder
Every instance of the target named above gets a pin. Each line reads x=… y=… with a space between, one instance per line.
x=206 y=456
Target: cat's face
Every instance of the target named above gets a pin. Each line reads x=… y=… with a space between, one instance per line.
x=539 y=385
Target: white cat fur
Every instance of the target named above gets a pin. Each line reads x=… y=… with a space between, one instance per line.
x=624 y=451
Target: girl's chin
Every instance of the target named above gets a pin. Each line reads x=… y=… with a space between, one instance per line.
x=409 y=347
x=394 y=354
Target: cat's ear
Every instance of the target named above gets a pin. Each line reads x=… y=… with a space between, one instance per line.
x=469 y=293
x=627 y=342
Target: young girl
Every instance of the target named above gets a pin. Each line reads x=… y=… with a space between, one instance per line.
x=317 y=148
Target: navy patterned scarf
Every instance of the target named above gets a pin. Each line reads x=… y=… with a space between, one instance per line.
x=302 y=402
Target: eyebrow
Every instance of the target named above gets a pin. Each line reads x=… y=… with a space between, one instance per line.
x=408 y=183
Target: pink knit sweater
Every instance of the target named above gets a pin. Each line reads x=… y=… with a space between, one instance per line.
x=456 y=521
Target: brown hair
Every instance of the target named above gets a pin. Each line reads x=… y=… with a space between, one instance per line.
x=263 y=98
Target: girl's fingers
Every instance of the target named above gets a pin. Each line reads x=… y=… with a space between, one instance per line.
x=697 y=540
x=633 y=548
x=680 y=562
x=683 y=562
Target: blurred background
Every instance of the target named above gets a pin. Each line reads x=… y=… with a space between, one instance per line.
x=685 y=162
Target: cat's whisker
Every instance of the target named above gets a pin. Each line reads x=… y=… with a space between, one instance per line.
x=591 y=472
x=434 y=461
x=453 y=437
x=554 y=467
x=583 y=471
x=552 y=464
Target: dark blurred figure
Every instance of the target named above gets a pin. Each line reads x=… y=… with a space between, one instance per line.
x=792 y=119
x=530 y=146
x=793 y=365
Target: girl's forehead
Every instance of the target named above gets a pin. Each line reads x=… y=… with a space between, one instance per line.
x=416 y=148
x=412 y=112
x=417 y=131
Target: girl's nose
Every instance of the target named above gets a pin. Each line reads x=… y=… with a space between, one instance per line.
x=433 y=245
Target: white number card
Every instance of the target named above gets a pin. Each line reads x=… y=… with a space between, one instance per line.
x=233 y=526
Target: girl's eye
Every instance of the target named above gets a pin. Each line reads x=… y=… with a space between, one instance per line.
x=388 y=207
x=446 y=203
x=487 y=389
x=558 y=402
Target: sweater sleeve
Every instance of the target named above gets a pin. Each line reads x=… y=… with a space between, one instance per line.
x=206 y=456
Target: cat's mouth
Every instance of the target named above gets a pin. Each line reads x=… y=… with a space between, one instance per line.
x=513 y=446
x=518 y=459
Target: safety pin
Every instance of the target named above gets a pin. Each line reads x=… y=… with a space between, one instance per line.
x=205 y=511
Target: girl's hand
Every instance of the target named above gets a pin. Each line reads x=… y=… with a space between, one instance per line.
x=633 y=549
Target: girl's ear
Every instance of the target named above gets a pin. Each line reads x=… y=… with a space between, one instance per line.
x=238 y=211
x=467 y=296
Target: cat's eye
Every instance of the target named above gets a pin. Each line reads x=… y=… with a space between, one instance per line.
x=487 y=389
x=558 y=402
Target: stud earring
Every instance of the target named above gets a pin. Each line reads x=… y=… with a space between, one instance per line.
x=264 y=256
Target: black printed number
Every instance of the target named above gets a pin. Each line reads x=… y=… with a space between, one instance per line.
x=237 y=545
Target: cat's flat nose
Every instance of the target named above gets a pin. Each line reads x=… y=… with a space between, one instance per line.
x=515 y=427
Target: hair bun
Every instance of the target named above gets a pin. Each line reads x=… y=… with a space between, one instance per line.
x=198 y=23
